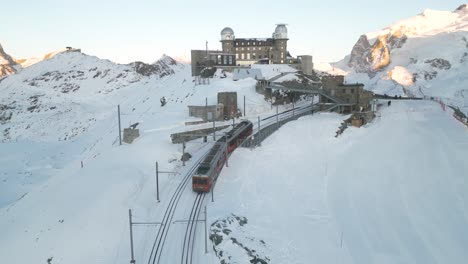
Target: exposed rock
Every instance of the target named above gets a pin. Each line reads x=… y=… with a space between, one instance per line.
x=440 y=64
x=397 y=40
x=160 y=68
x=359 y=55
x=7 y=63
x=429 y=75
x=380 y=54
x=5 y=113
x=462 y=9
x=228 y=237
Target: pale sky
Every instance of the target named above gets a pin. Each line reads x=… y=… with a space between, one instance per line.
x=126 y=31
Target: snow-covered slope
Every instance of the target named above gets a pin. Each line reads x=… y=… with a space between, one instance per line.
x=423 y=55
x=393 y=192
x=30 y=61
x=296 y=192
x=69 y=86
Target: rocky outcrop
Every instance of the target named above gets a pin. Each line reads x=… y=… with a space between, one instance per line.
x=160 y=68
x=380 y=54
x=462 y=9
x=7 y=63
x=438 y=63
x=366 y=58
x=359 y=55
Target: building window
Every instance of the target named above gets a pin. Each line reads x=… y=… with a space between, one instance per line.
x=237 y=56
x=253 y=48
x=248 y=56
x=219 y=59
x=225 y=60
x=237 y=48
x=230 y=60
x=253 y=56
x=243 y=43
x=259 y=48
x=352 y=91
x=242 y=48
x=248 y=43
x=242 y=56
x=282 y=61
x=248 y=48
x=282 y=54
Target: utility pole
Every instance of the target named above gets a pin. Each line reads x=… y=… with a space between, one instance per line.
x=206 y=231
x=206 y=108
x=244 y=105
x=277 y=120
x=183 y=153
x=132 y=261
x=226 y=150
x=157 y=179
x=293 y=104
x=212 y=192
x=157 y=182
x=120 y=130
x=214 y=130
x=259 y=132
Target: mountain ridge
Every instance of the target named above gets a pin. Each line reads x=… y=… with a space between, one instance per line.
x=424 y=55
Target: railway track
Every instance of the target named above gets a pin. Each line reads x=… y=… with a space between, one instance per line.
x=160 y=240
x=190 y=232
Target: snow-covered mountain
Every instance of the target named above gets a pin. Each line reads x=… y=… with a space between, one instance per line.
x=7 y=64
x=68 y=86
x=423 y=55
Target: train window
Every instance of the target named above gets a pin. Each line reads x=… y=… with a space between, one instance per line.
x=203 y=170
x=199 y=180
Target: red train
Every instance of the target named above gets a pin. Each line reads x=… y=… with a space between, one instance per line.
x=209 y=169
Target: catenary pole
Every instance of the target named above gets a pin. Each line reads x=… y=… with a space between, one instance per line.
x=157 y=182
x=244 y=105
x=206 y=232
x=120 y=130
x=132 y=261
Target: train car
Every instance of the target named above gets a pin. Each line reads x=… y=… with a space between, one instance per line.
x=209 y=169
x=237 y=135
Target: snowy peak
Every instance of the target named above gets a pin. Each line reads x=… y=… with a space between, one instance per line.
x=7 y=63
x=463 y=9
x=161 y=68
x=425 y=55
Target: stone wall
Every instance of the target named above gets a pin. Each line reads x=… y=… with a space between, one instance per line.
x=130 y=135
x=207 y=113
x=229 y=100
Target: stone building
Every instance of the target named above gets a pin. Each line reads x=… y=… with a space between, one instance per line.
x=207 y=113
x=252 y=50
x=210 y=58
x=355 y=95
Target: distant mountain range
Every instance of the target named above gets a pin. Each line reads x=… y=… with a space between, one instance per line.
x=426 y=55
x=64 y=86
